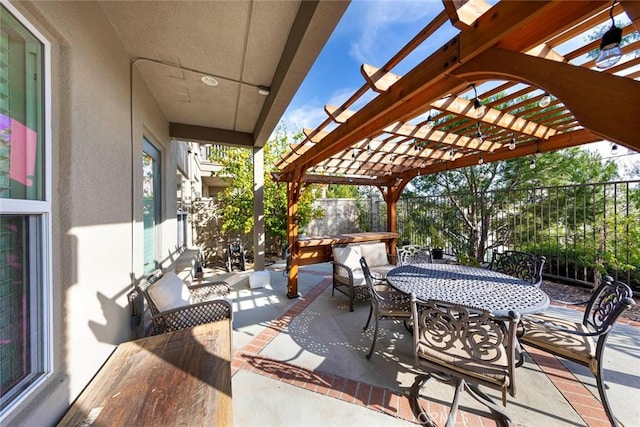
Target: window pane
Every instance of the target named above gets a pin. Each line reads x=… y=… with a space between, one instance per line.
x=20 y=303
x=21 y=136
x=150 y=203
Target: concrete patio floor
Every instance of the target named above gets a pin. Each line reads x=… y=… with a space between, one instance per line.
x=301 y=362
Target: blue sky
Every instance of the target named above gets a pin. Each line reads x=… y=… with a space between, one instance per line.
x=372 y=32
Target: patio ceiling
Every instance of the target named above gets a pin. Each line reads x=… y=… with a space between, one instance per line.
x=425 y=121
x=244 y=45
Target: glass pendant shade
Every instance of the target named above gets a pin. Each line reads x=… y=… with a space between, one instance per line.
x=610 y=52
x=545 y=101
x=429 y=124
x=478 y=108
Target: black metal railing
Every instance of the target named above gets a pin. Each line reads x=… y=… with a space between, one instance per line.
x=582 y=230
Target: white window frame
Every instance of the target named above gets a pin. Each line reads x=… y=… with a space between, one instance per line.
x=41 y=209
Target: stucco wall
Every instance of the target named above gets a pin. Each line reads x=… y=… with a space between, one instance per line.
x=97 y=190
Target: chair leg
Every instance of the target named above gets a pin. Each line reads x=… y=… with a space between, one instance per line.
x=375 y=336
x=502 y=418
x=451 y=419
x=369 y=318
x=352 y=297
x=500 y=414
x=414 y=393
x=603 y=395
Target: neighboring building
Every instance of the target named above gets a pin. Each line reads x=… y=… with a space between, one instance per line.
x=94 y=183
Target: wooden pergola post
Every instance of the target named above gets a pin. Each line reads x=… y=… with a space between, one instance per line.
x=294 y=189
x=391 y=197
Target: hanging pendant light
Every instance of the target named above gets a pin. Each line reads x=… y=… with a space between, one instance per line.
x=545 y=101
x=430 y=123
x=610 y=52
x=532 y=163
x=477 y=103
x=512 y=143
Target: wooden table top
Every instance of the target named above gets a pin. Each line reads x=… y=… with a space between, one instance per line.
x=177 y=378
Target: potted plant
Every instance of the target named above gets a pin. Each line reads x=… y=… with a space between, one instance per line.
x=437 y=245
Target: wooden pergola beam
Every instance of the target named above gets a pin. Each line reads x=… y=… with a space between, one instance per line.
x=557 y=142
x=606 y=104
x=427 y=81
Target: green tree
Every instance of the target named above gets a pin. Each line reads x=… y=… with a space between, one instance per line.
x=474 y=193
x=236 y=199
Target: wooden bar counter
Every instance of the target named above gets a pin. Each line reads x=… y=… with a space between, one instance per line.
x=177 y=378
x=317 y=249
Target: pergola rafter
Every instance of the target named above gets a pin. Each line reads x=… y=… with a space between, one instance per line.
x=426 y=120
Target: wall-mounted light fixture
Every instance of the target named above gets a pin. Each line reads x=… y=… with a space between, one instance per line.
x=610 y=52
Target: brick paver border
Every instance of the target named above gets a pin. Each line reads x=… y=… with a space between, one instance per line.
x=392 y=402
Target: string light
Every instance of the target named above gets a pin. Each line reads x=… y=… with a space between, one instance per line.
x=477 y=103
x=430 y=123
x=610 y=52
x=545 y=101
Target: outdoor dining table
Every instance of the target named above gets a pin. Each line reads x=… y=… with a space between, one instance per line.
x=477 y=287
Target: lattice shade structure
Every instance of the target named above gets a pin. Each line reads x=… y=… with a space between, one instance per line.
x=476 y=98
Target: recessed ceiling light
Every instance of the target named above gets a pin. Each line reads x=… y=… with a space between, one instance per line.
x=209 y=80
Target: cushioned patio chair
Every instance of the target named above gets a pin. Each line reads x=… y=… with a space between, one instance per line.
x=414 y=254
x=466 y=347
x=522 y=265
x=582 y=342
x=386 y=304
x=174 y=305
x=347 y=274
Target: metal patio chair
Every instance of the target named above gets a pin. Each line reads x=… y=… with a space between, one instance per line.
x=522 y=265
x=582 y=342
x=466 y=347
x=386 y=304
x=413 y=254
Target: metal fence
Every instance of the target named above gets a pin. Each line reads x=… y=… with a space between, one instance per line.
x=582 y=230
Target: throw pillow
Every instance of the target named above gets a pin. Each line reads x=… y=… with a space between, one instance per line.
x=169 y=292
x=375 y=254
x=349 y=256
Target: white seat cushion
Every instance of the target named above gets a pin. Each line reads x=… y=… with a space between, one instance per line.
x=349 y=256
x=375 y=254
x=169 y=292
